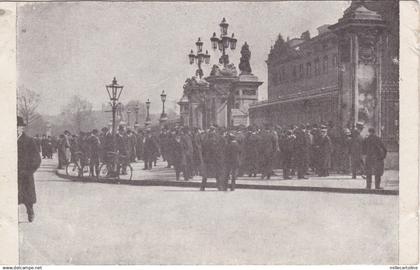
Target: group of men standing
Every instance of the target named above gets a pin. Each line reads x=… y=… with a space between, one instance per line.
x=298 y=150
x=45 y=145
x=224 y=154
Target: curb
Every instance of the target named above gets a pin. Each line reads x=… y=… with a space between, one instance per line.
x=157 y=182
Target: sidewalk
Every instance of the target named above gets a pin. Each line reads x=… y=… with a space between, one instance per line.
x=162 y=176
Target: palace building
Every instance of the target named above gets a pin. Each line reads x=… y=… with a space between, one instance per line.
x=347 y=73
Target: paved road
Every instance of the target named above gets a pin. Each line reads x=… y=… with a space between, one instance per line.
x=92 y=223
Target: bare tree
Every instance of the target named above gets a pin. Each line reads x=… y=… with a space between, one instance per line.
x=27 y=104
x=78 y=112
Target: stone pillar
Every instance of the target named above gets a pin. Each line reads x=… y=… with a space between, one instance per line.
x=360 y=32
x=195 y=98
x=245 y=91
x=221 y=88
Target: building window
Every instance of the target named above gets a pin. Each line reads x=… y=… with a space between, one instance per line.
x=325 y=65
x=334 y=60
x=294 y=73
x=237 y=105
x=301 y=71
x=317 y=67
x=308 y=69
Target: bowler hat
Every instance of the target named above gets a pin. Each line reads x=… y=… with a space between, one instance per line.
x=20 y=122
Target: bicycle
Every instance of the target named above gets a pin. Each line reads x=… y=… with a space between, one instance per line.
x=117 y=166
x=79 y=167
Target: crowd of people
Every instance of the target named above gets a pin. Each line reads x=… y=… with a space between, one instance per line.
x=299 y=150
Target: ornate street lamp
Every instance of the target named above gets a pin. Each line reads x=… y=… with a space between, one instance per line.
x=136 y=110
x=163 y=116
x=128 y=118
x=224 y=42
x=199 y=58
x=114 y=92
x=148 y=121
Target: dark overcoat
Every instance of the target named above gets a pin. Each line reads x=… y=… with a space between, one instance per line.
x=29 y=161
x=212 y=151
x=375 y=152
x=325 y=151
x=150 y=148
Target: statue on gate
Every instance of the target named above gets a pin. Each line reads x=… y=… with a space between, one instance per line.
x=244 y=65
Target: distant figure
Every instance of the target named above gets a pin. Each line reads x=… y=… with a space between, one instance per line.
x=231 y=155
x=375 y=152
x=356 y=145
x=29 y=161
x=325 y=150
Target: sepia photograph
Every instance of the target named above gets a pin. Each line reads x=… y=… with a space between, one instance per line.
x=208 y=133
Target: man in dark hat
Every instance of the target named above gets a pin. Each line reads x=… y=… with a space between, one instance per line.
x=375 y=152
x=325 y=150
x=356 y=145
x=94 y=152
x=186 y=139
x=29 y=161
x=212 y=150
x=231 y=155
x=150 y=150
x=287 y=147
x=301 y=151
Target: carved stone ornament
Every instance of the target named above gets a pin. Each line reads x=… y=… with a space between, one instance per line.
x=229 y=70
x=367 y=47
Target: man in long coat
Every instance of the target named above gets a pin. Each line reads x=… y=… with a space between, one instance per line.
x=189 y=151
x=325 y=150
x=150 y=150
x=287 y=146
x=179 y=160
x=62 y=146
x=251 y=152
x=197 y=152
x=212 y=147
x=375 y=152
x=131 y=145
x=29 y=161
x=268 y=146
x=94 y=146
x=356 y=145
x=232 y=154
x=139 y=145
x=301 y=152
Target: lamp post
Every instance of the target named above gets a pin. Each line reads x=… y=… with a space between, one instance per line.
x=128 y=118
x=114 y=92
x=199 y=58
x=224 y=42
x=163 y=116
x=136 y=110
x=148 y=121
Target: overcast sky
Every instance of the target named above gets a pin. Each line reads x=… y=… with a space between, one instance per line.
x=77 y=48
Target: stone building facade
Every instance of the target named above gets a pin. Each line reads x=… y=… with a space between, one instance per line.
x=346 y=74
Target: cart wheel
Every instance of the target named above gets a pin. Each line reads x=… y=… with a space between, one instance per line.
x=72 y=169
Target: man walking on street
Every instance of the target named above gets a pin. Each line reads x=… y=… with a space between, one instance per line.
x=94 y=153
x=356 y=146
x=375 y=152
x=29 y=161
